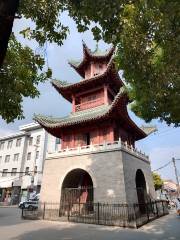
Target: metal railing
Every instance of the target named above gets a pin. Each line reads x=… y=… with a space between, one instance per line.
x=122 y=215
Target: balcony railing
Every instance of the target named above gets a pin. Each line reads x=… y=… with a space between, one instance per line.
x=90 y=104
x=106 y=146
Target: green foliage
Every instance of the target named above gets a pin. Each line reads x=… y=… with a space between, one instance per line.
x=46 y=16
x=158 y=182
x=146 y=33
x=19 y=78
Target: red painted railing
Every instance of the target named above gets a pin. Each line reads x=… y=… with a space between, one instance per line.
x=90 y=104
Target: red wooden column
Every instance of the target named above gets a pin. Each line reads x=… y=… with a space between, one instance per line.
x=111 y=134
x=73 y=140
x=105 y=94
x=73 y=104
x=62 y=141
x=92 y=69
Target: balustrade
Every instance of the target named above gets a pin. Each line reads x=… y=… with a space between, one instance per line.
x=89 y=104
x=103 y=147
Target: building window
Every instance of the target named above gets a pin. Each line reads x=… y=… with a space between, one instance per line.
x=7 y=158
x=27 y=171
x=9 y=144
x=4 y=173
x=0 y=159
x=35 y=169
x=37 y=154
x=13 y=172
x=58 y=141
x=29 y=156
x=16 y=157
x=18 y=142
x=1 y=145
x=30 y=141
x=38 y=139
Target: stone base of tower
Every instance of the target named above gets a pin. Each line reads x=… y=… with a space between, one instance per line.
x=113 y=170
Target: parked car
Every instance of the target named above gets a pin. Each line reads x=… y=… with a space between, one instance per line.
x=30 y=204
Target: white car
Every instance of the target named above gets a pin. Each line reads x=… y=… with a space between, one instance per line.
x=30 y=204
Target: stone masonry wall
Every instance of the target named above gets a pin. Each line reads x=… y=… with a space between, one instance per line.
x=131 y=164
x=105 y=169
x=113 y=174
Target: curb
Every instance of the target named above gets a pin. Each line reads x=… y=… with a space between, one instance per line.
x=8 y=206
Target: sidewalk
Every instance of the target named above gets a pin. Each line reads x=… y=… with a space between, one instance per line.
x=2 y=205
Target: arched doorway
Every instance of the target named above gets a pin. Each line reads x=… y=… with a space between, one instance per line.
x=77 y=188
x=141 y=189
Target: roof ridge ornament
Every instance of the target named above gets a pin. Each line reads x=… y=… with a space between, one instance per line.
x=97 y=47
x=88 y=56
x=86 y=50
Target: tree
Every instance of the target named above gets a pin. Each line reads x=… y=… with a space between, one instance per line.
x=147 y=36
x=18 y=78
x=158 y=182
x=146 y=33
x=8 y=9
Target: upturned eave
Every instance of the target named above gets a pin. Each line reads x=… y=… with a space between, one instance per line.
x=109 y=76
x=118 y=106
x=89 y=56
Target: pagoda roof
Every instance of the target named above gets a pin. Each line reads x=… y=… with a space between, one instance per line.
x=109 y=76
x=104 y=112
x=88 y=56
x=149 y=129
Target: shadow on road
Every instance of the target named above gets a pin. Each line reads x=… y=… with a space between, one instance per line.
x=10 y=216
x=166 y=228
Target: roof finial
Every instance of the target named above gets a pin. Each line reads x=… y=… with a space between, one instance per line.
x=96 y=49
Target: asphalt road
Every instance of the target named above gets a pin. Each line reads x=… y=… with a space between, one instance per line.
x=12 y=227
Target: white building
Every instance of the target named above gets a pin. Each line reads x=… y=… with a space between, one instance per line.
x=22 y=160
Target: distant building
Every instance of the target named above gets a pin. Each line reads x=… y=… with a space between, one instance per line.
x=22 y=160
x=169 y=185
x=170 y=188
x=98 y=161
x=168 y=191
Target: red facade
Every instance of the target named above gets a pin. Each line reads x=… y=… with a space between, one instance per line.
x=99 y=109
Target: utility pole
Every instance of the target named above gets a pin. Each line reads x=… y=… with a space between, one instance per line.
x=176 y=174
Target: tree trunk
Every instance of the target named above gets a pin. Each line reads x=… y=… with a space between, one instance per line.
x=8 y=9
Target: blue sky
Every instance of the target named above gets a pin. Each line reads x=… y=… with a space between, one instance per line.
x=160 y=146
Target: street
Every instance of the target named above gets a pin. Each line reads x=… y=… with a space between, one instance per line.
x=12 y=227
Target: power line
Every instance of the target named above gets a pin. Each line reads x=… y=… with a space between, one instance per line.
x=173 y=161
x=162 y=166
x=17 y=172
x=18 y=177
x=23 y=172
x=12 y=179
